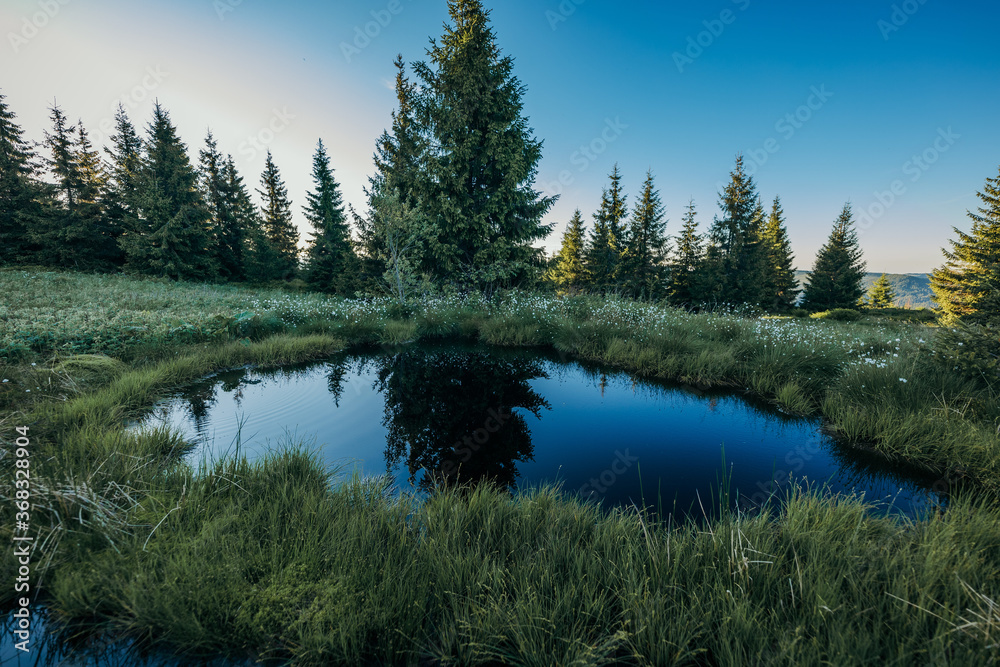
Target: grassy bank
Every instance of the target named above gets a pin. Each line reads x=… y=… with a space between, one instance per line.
x=268 y=559
x=291 y=565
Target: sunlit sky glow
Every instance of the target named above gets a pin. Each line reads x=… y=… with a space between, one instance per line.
x=920 y=79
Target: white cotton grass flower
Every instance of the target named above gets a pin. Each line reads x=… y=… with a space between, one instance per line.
x=903 y=380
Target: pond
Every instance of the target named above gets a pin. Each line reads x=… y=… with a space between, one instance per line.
x=519 y=418
x=443 y=413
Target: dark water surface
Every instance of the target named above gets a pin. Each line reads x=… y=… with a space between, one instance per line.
x=521 y=418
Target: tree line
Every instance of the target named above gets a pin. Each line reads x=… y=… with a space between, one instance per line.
x=452 y=202
x=452 y=205
x=145 y=208
x=745 y=258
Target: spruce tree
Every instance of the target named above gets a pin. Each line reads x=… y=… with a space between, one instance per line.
x=20 y=192
x=400 y=155
x=62 y=163
x=617 y=213
x=684 y=286
x=781 y=288
x=276 y=213
x=260 y=261
x=399 y=159
x=476 y=185
x=332 y=264
x=837 y=275
x=643 y=264
x=124 y=166
x=607 y=243
x=599 y=260
x=881 y=294
x=735 y=257
x=228 y=236
x=967 y=287
x=60 y=211
x=93 y=242
x=243 y=216
x=174 y=240
x=569 y=273
x=75 y=230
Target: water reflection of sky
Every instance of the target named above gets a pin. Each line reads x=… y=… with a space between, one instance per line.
x=595 y=433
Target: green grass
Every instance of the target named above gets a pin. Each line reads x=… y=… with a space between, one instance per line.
x=76 y=313
x=274 y=559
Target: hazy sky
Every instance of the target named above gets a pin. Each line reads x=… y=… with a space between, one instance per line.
x=829 y=102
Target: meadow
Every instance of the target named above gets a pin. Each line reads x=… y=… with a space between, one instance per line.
x=297 y=563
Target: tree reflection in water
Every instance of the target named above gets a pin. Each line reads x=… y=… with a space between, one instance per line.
x=453 y=415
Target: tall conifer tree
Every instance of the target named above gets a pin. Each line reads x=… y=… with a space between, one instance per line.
x=174 y=238
x=684 y=287
x=400 y=155
x=569 y=273
x=599 y=259
x=476 y=185
x=124 y=157
x=76 y=232
x=332 y=264
x=60 y=213
x=607 y=240
x=21 y=193
x=93 y=243
x=276 y=213
x=399 y=159
x=228 y=235
x=967 y=287
x=837 y=276
x=781 y=288
x=735 y=258
x=617 y=215
x=259 y=259
x=643 y=264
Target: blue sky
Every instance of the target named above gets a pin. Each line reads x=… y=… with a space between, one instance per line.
x=890 y=105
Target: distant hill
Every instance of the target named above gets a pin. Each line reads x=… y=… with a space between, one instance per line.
x=913 y=290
